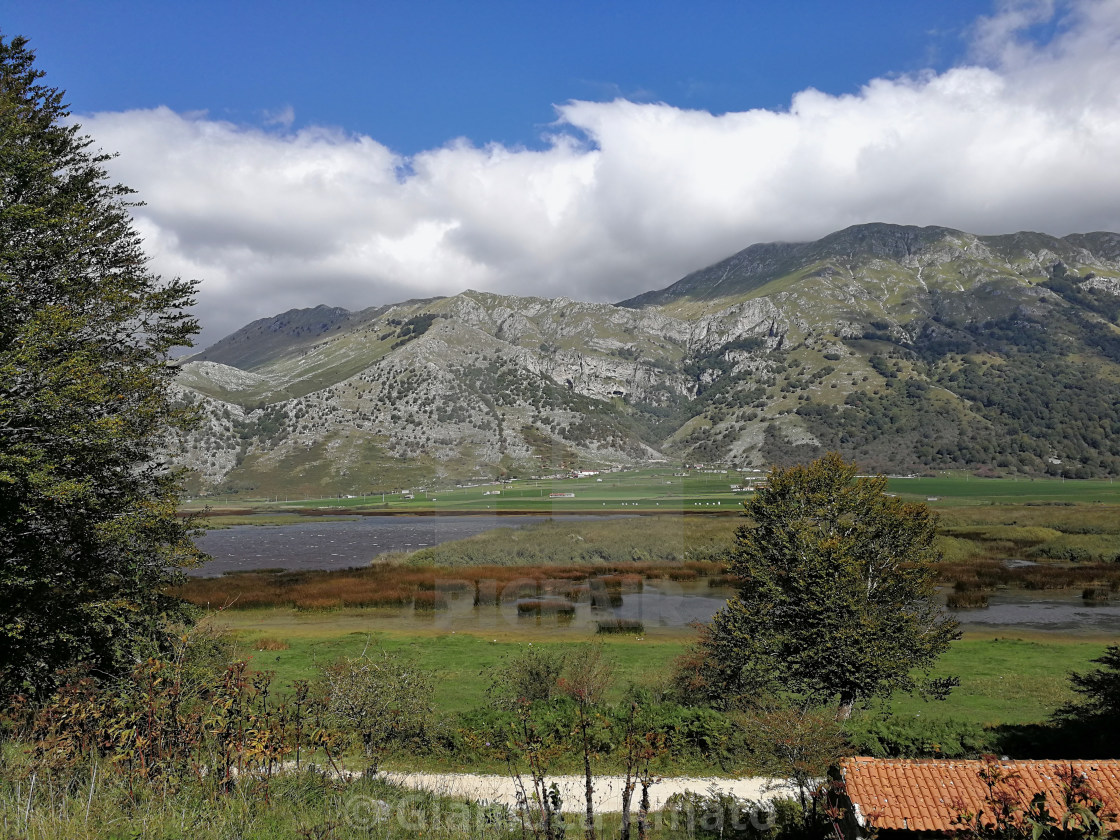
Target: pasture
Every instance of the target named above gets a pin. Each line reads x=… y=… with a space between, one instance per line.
x=1004 y=680
x=667 y=491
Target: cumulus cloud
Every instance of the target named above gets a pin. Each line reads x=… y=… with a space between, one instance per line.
x=627 y=197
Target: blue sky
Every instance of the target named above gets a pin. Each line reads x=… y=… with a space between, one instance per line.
x=417 y=74
x=356 y=154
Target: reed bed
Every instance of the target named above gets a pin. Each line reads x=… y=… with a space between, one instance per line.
x=398 y=586
x=992 y=574
x=970 y=599
x=546 y=606
x=1096 y=594
x=631 y=626
x=428 y=600
x=681 y=574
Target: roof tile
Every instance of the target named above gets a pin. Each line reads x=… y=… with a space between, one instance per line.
x=930 y=795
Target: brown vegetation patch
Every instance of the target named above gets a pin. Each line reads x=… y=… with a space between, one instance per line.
x=401 y=586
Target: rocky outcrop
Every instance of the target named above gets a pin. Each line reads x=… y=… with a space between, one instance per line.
x=704 y=370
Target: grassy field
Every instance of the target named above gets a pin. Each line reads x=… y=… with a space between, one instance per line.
x=460 y=658
x=1003 y=680
x=956 y=490
x=1072 y=527
x=666 y=490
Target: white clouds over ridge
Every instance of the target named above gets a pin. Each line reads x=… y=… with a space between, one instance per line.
x=628 y=197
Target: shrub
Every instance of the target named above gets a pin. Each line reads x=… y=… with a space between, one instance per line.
x=969 y=599
x=384 y=699
x=901 y=737
x=621 y=625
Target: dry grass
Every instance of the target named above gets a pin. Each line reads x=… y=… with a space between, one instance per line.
x=270 y=643
x=971 y=599
x=423 y=588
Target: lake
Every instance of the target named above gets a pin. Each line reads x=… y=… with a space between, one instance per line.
x=338 y=544
x=1062 y=611
x=356 y=541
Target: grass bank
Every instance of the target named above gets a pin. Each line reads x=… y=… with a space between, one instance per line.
x=1003 y=680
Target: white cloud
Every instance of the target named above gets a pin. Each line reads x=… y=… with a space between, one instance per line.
x=628 y=197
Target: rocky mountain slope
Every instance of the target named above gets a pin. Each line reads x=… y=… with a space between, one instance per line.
x=908 y=348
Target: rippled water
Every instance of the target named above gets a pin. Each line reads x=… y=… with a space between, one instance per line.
x=337 y=544
x=354 y=542
x=1058 y=612
x=661 y=603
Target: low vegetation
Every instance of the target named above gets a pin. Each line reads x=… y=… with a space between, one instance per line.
x=639 y=540
x=432 y=588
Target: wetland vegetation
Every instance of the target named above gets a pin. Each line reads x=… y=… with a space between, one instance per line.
x=462 y=611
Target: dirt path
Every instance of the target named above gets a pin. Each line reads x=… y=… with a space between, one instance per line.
x=608 y=789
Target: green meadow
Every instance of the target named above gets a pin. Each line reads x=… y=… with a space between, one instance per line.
x=1004 y=680
x=668 y=490
x=295 y=626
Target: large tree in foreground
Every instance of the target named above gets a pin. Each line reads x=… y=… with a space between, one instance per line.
x=88 y=532
x=836 y=594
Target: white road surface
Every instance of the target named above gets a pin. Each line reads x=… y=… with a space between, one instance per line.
x=608 y=789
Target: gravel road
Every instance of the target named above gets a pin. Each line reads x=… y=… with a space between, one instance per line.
x=608 y=789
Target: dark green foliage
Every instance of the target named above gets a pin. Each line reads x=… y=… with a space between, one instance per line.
x=1023 y=414
x=837 y=596
x=915 y=737
x=724 y=816
x=268 y=426
x=1095 y=717
x=691 y=735
x=777 y=449
x=1041 y=406
x=413 y=328
x=880 y=366
x=88 y=533
x=1071 y=289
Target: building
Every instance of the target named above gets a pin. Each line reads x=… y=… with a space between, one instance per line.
x=903 y=798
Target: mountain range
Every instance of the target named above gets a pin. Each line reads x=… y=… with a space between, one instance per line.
x=910 y=349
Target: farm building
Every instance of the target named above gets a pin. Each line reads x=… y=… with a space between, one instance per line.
x=903 y=798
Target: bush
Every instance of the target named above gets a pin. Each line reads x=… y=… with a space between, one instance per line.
x=901 y=737
x=621 y=625
x=384 y=699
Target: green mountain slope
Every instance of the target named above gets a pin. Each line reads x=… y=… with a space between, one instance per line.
x=907 y=348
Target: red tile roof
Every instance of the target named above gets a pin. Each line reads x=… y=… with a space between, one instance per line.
x=930 y=795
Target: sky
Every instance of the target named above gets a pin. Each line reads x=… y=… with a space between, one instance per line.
x=359 y=153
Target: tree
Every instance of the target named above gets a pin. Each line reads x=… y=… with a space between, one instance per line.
x=384 y=699
x=835 y=603
x=1094 y=719
x=587 y=678
x=524 y=684
x=89 y=537
x=798 y=745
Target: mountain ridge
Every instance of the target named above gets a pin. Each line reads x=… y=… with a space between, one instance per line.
x=853 y=342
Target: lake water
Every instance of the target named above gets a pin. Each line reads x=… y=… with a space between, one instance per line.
x=338 y=544
x=355 y=542
x=1058 y=612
